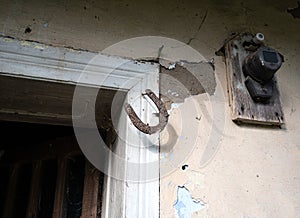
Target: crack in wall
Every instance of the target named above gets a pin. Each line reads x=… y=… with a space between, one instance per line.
x=199 y=28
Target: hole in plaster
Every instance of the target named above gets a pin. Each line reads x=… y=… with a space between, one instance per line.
x=28 y=30
x=185 y=167
x=242 y=108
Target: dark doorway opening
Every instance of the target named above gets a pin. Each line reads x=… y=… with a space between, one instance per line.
x=44 y=174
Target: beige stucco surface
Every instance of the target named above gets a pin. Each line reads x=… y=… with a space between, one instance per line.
x=254 y=171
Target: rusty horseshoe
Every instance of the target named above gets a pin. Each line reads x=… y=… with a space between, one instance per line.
x=146 y=128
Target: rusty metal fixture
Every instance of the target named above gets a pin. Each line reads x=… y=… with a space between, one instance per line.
x=146 y=128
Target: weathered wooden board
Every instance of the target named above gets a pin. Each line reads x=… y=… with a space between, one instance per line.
x=35 y=191
x=90 y=191
x=60 y=191
x=243 y=108
x=12 y=189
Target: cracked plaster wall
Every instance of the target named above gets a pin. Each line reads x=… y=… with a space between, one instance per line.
x=254 y=172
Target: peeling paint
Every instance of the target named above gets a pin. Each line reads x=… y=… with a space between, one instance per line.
x=172 y=66
x=185 y=80
x=167 y=64
x=25 y=43
x=40 y=47
x=174 y=106
x=7 y=40
x=186 y=205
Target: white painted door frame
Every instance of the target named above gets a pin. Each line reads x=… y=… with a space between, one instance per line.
x=123 y=198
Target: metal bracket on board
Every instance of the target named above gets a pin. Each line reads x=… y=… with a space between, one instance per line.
x=252 y=84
